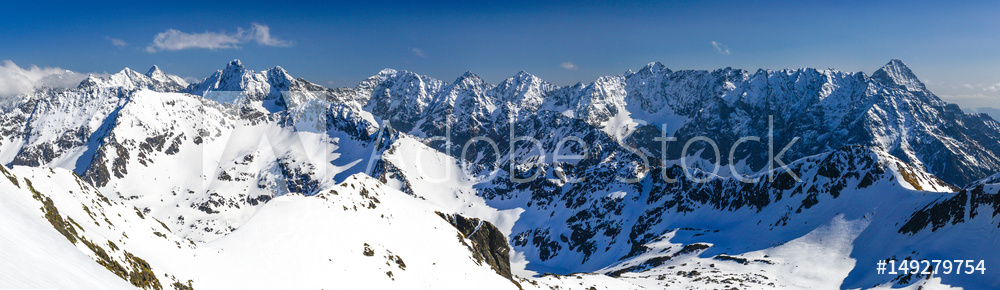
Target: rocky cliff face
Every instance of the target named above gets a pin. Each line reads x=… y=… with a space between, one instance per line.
x=488 y=244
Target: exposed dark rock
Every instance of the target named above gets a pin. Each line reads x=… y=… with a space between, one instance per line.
x=489 y=245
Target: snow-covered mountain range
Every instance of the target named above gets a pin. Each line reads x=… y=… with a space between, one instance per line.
x=254 y=179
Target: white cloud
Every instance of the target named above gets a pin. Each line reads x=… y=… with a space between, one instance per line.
x=569 y=66
x=15 y=80
x=192 y=80
x=720 y=48
x=117 y=42
x=994 y=88
x=419 y=52
x=262 y=34
x=173 y=39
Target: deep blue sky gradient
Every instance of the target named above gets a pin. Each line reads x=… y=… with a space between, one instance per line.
x=954 y=47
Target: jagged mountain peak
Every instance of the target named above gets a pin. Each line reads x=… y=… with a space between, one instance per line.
x=127 y=71
x=469 y=79
x=153 y=70
x=649 y=70
x=895 y=62
x=176 y=82
x=155 y=73
x=238 y=84
x=523 y=88
x=411 y=80
x=523 y=77
x=90 y=81
x=279 y=74
x=236 y=63
x=234 y=68
x=653 y=67
x=130 y=80
x=467 y=75
x=126 y=76
x=520 y=79
x=386 y=72
x=897 y=73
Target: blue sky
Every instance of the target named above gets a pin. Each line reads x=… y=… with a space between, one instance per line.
x=954 y=47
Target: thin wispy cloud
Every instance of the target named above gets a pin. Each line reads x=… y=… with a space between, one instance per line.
x=117 y=42
x=569 y=66
x=172 y=39
x=15 y=80
x=994 y=88
x=262 y=34
x=192 y=80
x=973 y=96
x=720 y=48
x=972 y=100
x=419 y=52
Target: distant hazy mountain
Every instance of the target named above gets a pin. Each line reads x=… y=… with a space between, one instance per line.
x=993 y=112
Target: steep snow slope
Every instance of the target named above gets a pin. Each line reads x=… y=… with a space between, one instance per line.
x=128 y=79
x=811 y=220
x=383 y=222
x=35 y=254
x=193 y=163
x=61 y=127
x=951 y=227
x=230 y=165
x=657 y=229
x=358 y=234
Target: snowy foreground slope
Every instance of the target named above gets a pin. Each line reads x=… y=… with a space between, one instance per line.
x=363 y=234
x=357 y=235
x=261 y=180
